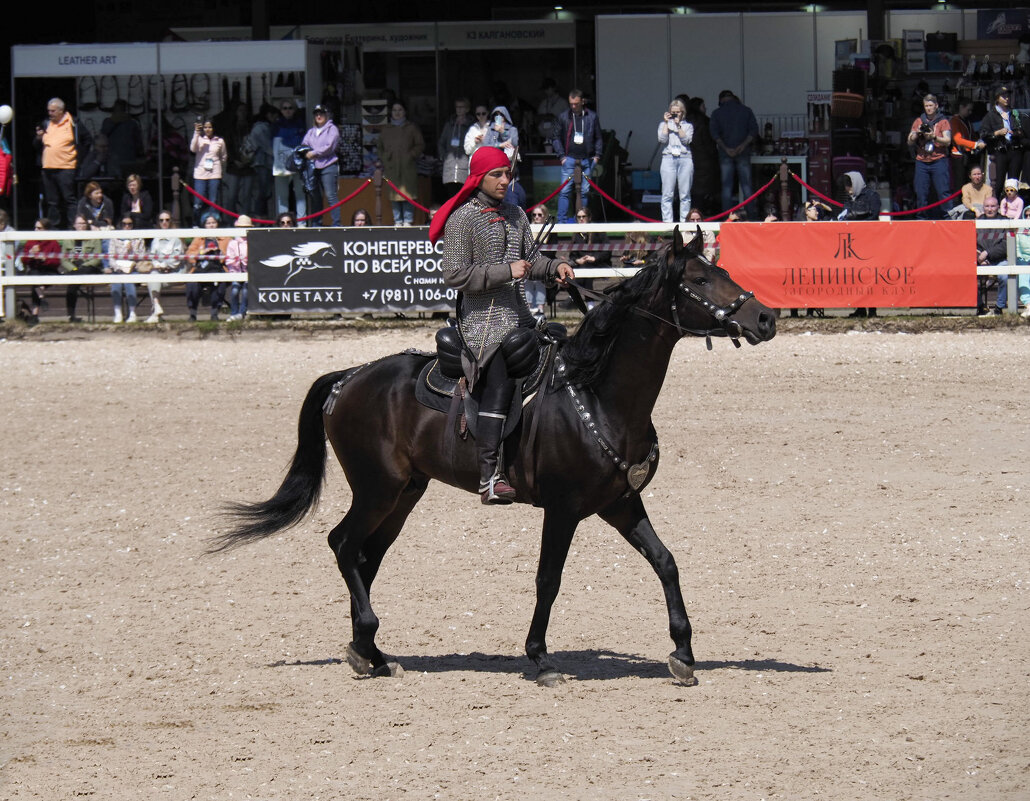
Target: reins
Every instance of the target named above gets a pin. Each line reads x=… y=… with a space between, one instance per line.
x=722 y=314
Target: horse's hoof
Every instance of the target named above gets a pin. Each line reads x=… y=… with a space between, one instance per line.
x=390 y=669
x=550 y=678
x=358 y=663
x=682 y=672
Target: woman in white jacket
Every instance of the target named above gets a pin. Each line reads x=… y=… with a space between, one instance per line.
x=677 y=161
x=166 y=257
x=477 y=131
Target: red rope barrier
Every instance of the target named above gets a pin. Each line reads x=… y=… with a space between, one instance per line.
x=226 y=212
x=315 y=216
x=743 y=202
x=924 y=208
x=412 y=201
x=815 y=191
x=551 y=196
x=884 y=213
x=318 y=214
x=616 y=203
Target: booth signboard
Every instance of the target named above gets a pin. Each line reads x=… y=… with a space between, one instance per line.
x=493 y=34
x=1002 y=23
x=346 y=270
x=77 y=60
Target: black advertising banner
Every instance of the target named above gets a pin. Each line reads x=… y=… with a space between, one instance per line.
x=294 y=270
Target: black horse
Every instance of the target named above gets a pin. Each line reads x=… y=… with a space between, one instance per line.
x=584 y=446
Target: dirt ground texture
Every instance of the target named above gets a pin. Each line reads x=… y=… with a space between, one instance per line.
x=848 y=512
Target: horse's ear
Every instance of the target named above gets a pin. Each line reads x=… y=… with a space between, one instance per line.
x=696 y=246
x=677 y=243
x=693 y=247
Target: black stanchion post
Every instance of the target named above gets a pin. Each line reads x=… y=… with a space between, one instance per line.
x=176 y=183
x=377 y=180
x=577 y=177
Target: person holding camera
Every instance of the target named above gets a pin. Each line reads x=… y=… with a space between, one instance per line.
x=931 y=138
x=677 y=161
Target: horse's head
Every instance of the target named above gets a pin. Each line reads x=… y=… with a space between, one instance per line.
x=707 y=302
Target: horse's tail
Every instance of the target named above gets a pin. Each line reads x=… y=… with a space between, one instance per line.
x=301 y=487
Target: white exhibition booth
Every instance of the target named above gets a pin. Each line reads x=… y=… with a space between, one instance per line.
x=768 y=59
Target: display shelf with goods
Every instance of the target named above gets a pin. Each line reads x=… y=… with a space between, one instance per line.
x=819 y=150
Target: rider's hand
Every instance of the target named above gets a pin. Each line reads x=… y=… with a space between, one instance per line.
x=519 y=268
x=565 y=273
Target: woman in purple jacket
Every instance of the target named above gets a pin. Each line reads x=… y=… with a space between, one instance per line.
x=322 y=138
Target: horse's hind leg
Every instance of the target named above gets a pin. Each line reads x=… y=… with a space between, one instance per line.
x=627 y=515
x=360 y=542
x=370 y=559
x=368 y=511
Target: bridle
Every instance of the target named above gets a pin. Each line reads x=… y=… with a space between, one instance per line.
x=723 y=316
x=727 y=327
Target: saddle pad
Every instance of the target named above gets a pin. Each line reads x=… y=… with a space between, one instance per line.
x=435 y=391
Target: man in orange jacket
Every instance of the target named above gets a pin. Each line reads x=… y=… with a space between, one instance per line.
x=965 y=148
x=63 y=146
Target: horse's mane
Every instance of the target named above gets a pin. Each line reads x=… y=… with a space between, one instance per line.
x=589 y=350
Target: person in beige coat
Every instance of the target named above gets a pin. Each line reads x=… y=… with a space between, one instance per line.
x=400 y=145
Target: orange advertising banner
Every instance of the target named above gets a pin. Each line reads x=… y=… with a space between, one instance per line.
x=839 y=264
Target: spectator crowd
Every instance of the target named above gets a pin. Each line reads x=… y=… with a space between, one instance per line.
x=275 y=165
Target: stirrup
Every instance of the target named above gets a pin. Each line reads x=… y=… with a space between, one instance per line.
x=497 y=491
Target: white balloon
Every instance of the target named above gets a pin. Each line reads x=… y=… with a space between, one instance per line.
x=6 y=114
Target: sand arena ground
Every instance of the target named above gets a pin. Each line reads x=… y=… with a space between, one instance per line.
x=848 y=511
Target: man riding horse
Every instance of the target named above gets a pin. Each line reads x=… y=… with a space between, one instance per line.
x=486 y=243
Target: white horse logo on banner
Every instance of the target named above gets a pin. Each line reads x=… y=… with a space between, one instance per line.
x=304 y=257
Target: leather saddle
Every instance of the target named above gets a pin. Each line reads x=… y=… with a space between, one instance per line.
x=441 y=383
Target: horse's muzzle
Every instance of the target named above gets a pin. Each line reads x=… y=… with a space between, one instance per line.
x=757 y=326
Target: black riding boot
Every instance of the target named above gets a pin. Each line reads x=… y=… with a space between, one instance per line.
x=493 y=486
x=493 y=407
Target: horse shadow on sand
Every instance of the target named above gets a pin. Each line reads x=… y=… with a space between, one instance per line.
x=581 y=665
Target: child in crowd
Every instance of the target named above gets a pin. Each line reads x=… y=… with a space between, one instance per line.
x=1012 y=203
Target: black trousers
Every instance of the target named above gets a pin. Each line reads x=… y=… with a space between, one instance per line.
x=1007 y=164
x=498 y=388
x=59 y=194
x=193 y=292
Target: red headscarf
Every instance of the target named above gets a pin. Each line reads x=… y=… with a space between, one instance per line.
x=483 y=160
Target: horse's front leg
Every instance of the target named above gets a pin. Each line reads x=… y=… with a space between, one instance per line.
x=559 y=528
x=628 y=517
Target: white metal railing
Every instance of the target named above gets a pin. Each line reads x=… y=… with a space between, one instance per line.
x=9 y=280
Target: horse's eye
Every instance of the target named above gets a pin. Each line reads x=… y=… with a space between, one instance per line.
x=701 y=281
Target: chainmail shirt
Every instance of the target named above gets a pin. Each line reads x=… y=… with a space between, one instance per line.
x=480 y=242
